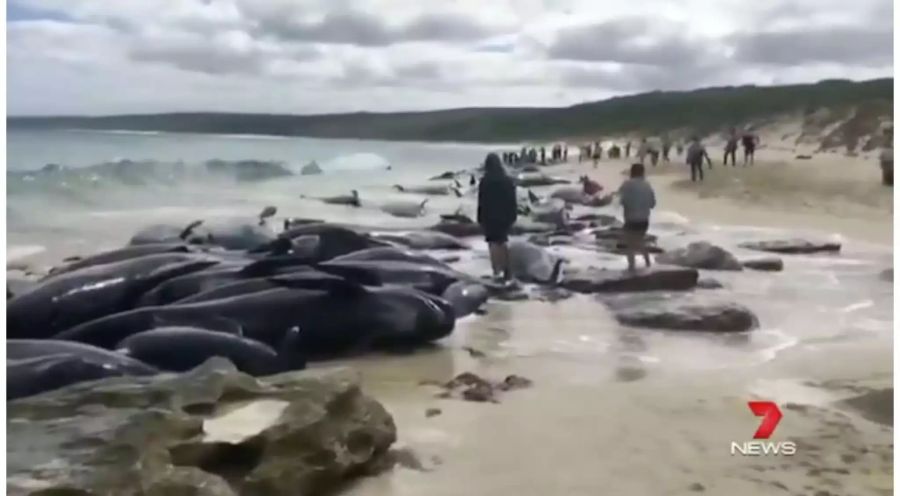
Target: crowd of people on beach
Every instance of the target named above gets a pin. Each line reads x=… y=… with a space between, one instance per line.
x=497 y=204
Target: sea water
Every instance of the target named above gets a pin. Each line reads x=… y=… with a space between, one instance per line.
x=72 y=192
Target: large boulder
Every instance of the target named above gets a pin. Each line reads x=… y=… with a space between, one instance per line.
x=658 y=278
x=793 y=246
x=768 y=264
x=212 y=432
x=687 y=316
x=701 y=255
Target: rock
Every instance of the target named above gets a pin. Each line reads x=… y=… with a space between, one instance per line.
x=701 y=255
x=769 y=264
x=792 y=246
x=708 y=283
x=594 y=280
x=472 y=387
x=681 y=316
x=311 y=169
x=211 y=432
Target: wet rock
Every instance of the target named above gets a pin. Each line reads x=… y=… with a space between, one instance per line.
x=701 y=255
x=768 y=264
x=472 y=387
x=212 y=432
x=792 y=246
x=709 y=283
x=594 y=280
x=682 y=316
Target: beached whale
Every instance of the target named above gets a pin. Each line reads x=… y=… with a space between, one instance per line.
x=352 y=199
x=85 y=294
x=42 y=373
x=405 y=209
x=346 y=319
x=391 y=253
x=310 y=169
x=178 y=349
x=429 y=278
x=191 y=233
x=119 y=255
x=531 y=263
x=430 y=189
x=424 y=240
x=334 y=240
x=531 y=180
x=466 y=297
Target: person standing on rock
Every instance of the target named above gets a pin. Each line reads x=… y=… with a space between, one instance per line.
x=637 y=199
x=696 y=153
x=497 y=212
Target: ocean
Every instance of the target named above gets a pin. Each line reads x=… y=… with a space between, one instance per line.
x=72 y=192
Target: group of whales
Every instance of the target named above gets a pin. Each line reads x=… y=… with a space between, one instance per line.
x=178 y=295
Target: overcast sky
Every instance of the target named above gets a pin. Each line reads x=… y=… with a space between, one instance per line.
x=312 y=56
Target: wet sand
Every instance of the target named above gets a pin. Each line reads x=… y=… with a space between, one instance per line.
x=629 y=411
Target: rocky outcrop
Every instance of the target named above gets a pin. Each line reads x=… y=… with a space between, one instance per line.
x=687 y=316
x=793 y=246
x=768 y=264
x=658 y=278
x=212 y=432
x=701 y=255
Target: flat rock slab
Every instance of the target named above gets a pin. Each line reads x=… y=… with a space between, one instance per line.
x=701 y=255
x=658 y=278
x=688 y=316
x=210 y=432
x=792 y=246
x=767 y=264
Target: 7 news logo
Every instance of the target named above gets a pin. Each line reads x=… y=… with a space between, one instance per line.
x=771 y=415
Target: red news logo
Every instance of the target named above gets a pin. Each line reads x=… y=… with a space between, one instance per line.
x=771 y=416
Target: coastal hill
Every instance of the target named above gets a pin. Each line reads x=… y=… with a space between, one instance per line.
x=842 y=114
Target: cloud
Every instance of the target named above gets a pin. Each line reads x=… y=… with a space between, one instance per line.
x=626 y=41
x=301 y=56
x=850 y=46
x=365 y=29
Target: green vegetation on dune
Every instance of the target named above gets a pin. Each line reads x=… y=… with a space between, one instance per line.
x=702 y=111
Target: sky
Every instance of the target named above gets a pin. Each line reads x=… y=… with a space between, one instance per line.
x=320 y=56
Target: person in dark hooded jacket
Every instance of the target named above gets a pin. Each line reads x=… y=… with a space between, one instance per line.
x=497 y=211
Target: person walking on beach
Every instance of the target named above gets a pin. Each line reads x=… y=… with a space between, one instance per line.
x=731 y=147
x=749 y=141
x=628 y=149
x=666 y=147
x=637 y=199
x=695 y=155
x=643 y=150
x=497 y=212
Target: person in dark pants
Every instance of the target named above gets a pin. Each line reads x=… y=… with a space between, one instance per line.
x=497 y=212
x=749 y=141
x=637 y=199
x=731 y=148
x=695 y=155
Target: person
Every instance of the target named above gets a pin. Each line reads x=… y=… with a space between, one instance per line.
x=598 y=153
x=731 y=148
x=565 y=152
x=749 y=141
x=543 y=155
x=497 y=212
x=589 y=186
x=695 y=155
x=628 y=149
x=666 y=147
x=637 y=199
x=886 y=157
x=643 y=150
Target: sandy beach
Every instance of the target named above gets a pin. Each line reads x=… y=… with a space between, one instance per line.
x=607 y=416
